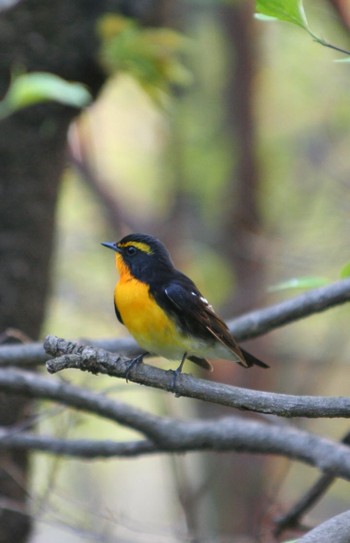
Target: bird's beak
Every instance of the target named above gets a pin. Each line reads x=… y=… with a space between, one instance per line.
x=111 y=245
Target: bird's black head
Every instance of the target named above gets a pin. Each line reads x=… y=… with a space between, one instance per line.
x=142 y=256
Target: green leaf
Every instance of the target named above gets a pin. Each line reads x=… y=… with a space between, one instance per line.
x=35 y=87
x=152 y=56
x=291 y=11
x=300 y=283
x=345 y=271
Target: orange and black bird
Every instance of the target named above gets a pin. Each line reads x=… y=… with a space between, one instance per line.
x=165 y=312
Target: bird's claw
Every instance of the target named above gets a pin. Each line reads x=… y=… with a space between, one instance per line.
x=132 y=364
x=175 y=375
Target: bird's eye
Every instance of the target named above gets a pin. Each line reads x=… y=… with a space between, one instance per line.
x=131 y=250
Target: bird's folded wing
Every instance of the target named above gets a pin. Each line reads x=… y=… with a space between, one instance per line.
x=197 y=317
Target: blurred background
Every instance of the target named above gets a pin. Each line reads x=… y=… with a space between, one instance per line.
x=238 y=159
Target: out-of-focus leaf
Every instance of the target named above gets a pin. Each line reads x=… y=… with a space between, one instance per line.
x=300 y=283
x=262 y=17
x=346 y=59
x=151 y=56
x=291 y=11
x=345 y=271
x=35 y=87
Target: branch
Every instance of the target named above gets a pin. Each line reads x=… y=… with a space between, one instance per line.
x=323 y=42
x=113 y=210
x=73 y=355
x=248 y=326
x=33 y=385
x=164 y=434
x=259 y=322
x=7 y=4
x=79 y=448
x=291 y=519
x=33 y=354
x=335 y=530
x=79 y=153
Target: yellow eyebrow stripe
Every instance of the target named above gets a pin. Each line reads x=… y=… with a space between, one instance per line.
x=144 y=247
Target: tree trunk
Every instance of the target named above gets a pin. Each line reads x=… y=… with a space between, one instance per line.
x=240 y=487
x=30 y=167
x=242 y=221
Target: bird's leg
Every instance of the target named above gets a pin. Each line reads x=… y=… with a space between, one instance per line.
x=133 y=363
x=177 y=372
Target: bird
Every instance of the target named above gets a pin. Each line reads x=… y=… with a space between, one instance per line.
x=164 y=310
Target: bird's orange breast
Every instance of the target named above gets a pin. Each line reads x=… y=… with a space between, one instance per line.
x=141 y=315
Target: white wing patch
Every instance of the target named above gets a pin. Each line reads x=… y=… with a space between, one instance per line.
x=203 y=300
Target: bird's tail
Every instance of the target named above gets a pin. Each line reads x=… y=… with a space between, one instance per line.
x=252 y=360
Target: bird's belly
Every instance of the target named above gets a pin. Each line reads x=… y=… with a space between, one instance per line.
x=153 y=330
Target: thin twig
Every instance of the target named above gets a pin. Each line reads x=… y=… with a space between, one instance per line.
x=79 y=448
x=323 y=42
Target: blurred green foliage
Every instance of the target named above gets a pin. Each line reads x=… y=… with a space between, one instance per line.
x=300 y=283
x=151 y=56
x=28 y=89
x=345 y=271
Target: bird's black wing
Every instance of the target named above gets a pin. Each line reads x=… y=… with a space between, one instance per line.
x=195 y=316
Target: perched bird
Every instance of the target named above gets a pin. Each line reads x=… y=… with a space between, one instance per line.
x=164 y=310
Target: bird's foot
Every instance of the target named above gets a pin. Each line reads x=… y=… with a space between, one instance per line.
x=173 y=387
x=133 y=364
x=176 y=374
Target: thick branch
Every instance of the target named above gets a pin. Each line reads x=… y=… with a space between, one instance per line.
x=335 y=530
x=36 y=386
x=73 y=355
x=165 y=434
x=225 y=434
x=248 y=326
x=33 y=354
